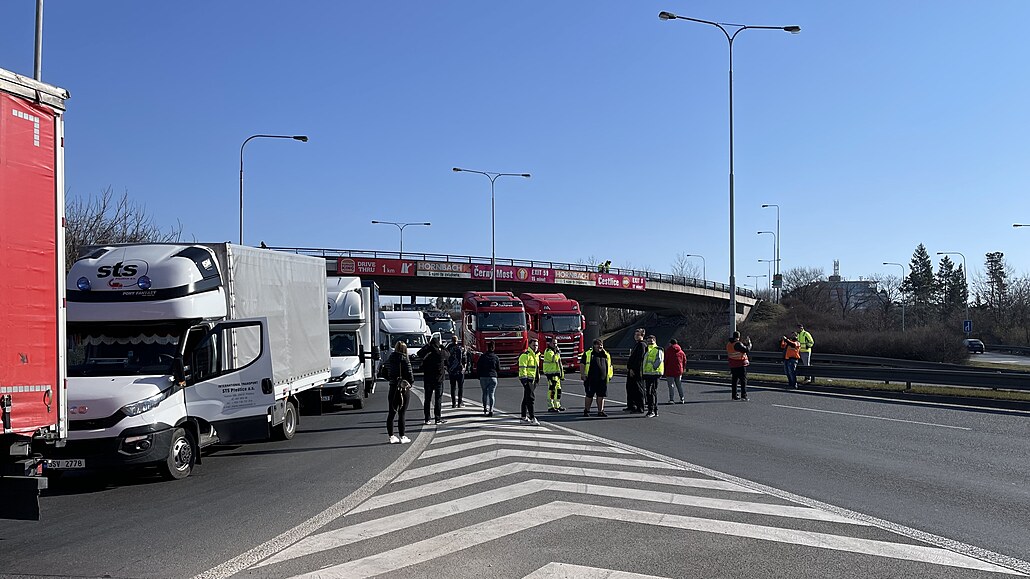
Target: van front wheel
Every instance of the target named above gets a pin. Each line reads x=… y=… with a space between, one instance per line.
x=182 y=455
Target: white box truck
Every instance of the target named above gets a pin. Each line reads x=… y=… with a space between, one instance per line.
x=174 y=347
x=353 y=340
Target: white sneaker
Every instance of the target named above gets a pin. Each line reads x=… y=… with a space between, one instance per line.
x=405 y=440
x=536 y=422
x=394 y=439
x=524 y=419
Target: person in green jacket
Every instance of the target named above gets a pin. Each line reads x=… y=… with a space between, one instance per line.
x=653 y=368
x=807 y=342
x=529 y=375
x=554 y=370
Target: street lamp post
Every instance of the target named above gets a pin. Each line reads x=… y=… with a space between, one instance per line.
x=493 y=221
x=902 y=291
x=703 y=267
x=965 y=279
x=301 y=138
x=769 y=265
x=400 y=226
x=777 y=256
x=736 y=29
x=757 y=277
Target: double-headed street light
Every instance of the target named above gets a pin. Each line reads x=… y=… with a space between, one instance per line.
x=493 y=221
x=768 y=266
x=401 y=227
x=704 y=274
x=965 y=280
x=301 y=138
x=757 y=277
x=777 y=256
x=731 y=34
x=902 y=291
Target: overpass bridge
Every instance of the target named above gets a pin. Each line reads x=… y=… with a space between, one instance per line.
x=427 y=274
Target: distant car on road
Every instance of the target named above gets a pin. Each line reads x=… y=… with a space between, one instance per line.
x=974 y=346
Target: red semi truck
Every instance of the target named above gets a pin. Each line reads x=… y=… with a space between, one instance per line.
x=32 y=316
x=556 y=317
x=498 y=318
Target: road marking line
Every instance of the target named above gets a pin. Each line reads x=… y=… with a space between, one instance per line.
x=478 y=459
x=435 y=488
x=567 y=571
x=448 y=543
x=392 y=523
x=508 y=433
x=872 y=417
x=463 y=446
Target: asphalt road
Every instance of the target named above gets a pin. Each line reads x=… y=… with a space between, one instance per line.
x=1001 y=358
x=738 y=494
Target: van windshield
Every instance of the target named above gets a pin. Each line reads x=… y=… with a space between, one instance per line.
x=498 y=321
x=560 y=323
x=122 y=351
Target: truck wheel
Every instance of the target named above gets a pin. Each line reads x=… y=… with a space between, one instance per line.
x=358 y=404
x=182 y=455
x=288 y=428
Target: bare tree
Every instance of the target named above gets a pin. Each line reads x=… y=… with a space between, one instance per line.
x=103 y=218
x=801 y=284
x=684 y=267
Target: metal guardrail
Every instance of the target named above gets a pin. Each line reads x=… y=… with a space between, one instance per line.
x=1020 y=350
x=649 y=275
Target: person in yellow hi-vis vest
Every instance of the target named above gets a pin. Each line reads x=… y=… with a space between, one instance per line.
x=654 y=367
x=552 y=367
x=806 y=351
x=529 y=366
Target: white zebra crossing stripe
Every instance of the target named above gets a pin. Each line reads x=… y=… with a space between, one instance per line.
x=381 y=526
x=448 y=543
x=504 y=453
x=475 y=444
x=567 y=571
x=496 y=472
x=508 y=433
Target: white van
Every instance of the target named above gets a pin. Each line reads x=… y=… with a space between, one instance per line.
x=409 y=327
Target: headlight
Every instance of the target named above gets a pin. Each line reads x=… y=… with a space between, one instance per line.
x=144 y=405
x=352 y=371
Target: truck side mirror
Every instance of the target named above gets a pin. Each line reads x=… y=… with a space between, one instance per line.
x=375 y=353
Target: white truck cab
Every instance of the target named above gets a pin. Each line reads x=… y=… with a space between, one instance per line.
x=408 y=327
x=353 y=344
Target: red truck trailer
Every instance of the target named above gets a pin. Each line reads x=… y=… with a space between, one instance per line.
x=498 y=318
x=32 y=316
x=556 y=317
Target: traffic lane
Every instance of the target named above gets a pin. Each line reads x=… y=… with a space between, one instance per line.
x=134 y=526
x=935 y=479
x=997 y=358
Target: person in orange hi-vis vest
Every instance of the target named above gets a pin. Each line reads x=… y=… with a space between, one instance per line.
x=736 y=353
x=791 y=356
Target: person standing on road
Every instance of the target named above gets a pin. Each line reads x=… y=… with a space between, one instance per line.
x=634 y=368
x=457 y=364
x=488 y=368
x=791 y=354
x=555 y=372
x=806 y=350
x=434 y=371
x=398 y=372
x=736 y=353
x=529 y=375
x=654 y=367
x=675 y=364
x=596 y=368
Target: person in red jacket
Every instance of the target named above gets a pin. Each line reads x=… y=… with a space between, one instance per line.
x=675 y=365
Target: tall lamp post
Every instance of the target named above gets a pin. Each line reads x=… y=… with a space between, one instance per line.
x=731 y=34
x=777 y=256
x=756 y=277
x=301 y=138
x=769 y=265
x=493 y=221
x=703 y=267
x=902 y=291
x=965 y=279
x=400 y=226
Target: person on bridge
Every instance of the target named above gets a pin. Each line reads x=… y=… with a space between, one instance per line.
x=736 y=353
x=806 y=350
x=398 y=372
x=654 y=367
x=596 y=370
x=457 y=365
x=605 y=267
x=555 y=372
x=488 y=367
x=791 y=354
x=529 y=375
x=675 y=365
x=634 y=369
x=434 y=371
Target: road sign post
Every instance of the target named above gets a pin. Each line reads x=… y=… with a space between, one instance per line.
x=967 y=326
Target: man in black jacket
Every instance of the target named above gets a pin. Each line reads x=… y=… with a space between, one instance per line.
x=634 y=377
x=434 y=372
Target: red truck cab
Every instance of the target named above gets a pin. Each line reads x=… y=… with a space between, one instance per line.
x=498 y=318
x=556 y=317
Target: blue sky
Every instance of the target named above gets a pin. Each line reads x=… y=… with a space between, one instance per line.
x=883 y=125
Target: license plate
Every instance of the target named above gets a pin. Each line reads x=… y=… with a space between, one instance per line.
x=326 y=398
x=66 y=463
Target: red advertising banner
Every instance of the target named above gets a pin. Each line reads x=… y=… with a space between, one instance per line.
x=587 y=278
x=630 y=282
x=374 y=266
x=514 y=273
x=444 y=269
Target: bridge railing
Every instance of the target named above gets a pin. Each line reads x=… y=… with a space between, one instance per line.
x=649 y=275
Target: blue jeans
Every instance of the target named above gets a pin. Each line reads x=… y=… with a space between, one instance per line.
x=489 y=385
x=790 y=368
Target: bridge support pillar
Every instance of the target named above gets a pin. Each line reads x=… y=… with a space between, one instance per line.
x=592 y=314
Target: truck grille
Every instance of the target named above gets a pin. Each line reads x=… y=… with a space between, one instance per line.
x=509 y=361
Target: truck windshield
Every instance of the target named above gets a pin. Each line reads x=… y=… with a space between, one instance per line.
x=114 y=351
x=412 y=340
x=442 y=326
x=497 y=321
x=343 y=343
x=560 y=324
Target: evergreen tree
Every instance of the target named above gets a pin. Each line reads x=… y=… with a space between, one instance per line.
x=946 y=293
x=920 y=285
x=997 y=282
